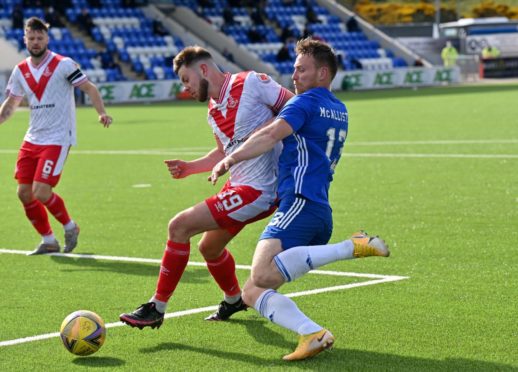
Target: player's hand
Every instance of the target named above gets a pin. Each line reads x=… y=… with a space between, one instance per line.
x=105 y=120
x=221 y=168
x=177 y=168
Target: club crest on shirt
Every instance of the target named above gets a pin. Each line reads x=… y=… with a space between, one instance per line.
x=47 y=72
x=232 y=102
x=263 y=77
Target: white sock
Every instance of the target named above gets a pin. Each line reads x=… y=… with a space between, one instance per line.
x=161 y=306
x=282 y=311
x=295 y=262
x=48 y=239
x=70 y=225
x=232 y=299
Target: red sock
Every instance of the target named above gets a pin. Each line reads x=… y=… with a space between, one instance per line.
x=174 y=261
x=56 y=206
x=223 y=269
x=36 y=213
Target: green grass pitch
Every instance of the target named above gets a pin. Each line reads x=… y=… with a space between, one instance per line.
x=433 y=171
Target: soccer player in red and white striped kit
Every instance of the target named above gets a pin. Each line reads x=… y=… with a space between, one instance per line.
x=239 y=104
x=47 y=80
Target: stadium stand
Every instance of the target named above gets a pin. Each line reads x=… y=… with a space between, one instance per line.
x=138 y=41
x=355 y=49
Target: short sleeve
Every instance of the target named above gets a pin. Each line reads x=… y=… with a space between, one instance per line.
x=14 y=87
x=296 y=112
x=73 y=72
x=268 y=90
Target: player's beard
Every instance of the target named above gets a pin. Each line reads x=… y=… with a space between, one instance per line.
x=38 y=55
x=203 y=90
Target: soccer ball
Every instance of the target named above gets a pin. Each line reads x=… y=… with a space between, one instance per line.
x=83 y=332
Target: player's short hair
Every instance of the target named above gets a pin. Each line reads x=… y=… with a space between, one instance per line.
x=190 y=55
x=36 y=24
x=323 y=54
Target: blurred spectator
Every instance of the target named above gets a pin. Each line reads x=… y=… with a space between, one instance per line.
x=255 y=36
x=287 y=34
x=234 y=3
x=356 y=63
x=206 y=3
x=306 y=33
x=490 y=52
x=107 y=62
x=159 y=29
x=52 y=18
x=61 y=6
x=449 y=55
x=228 y=16
x=229 y=56
x=311 y=16
x=288 y=2
x=32 y=4
x=257 y=16
x=85 y=21
x=352 y=25
x=17 y=16
x=94 y=3
x=283 y=54
x=340 y=60
x=418 y=63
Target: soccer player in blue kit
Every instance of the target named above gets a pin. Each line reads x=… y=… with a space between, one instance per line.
x=313 y=127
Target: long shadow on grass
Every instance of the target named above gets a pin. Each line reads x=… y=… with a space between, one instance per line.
x=337 y=359
x=99 y=362
x=198 y=275
x=428 y=91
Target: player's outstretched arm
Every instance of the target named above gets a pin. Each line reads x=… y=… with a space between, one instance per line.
x=8 y=108
x=181 y=169
x=97 y=102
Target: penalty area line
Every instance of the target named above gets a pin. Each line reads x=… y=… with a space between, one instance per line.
x=375 y=279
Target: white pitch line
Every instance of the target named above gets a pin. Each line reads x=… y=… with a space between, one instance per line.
x=444 y=156
x=378 y=280
x=347 y=154
x=191 y=263
x=435 y=142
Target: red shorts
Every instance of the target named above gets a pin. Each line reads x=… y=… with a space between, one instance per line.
x=234 y=207
x=41 y=163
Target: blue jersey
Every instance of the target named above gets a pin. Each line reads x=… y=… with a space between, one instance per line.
x=310 y=154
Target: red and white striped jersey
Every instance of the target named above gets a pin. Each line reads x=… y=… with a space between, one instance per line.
x=49 y=88
x=246 y=101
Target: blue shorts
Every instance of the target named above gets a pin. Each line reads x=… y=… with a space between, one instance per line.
x=299 y=221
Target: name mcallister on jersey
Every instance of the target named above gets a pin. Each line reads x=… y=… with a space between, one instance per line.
x=333 y=114
x=36 y=107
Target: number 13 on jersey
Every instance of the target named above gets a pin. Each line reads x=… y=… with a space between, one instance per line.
x=335 y=145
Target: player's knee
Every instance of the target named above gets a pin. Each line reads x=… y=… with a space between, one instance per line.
x=209 y=252
x=43 y=194
x=267 y=276
x=25 y=195
x=178 y=228
x=261 y=278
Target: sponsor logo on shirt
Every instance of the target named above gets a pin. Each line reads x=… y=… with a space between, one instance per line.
x=232 y=103
x=234 y=142
x=37 y=107
x=263 y=77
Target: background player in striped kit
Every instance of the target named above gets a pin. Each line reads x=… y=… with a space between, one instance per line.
x=238 y=105
x=47 y=80
x=313 y=127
